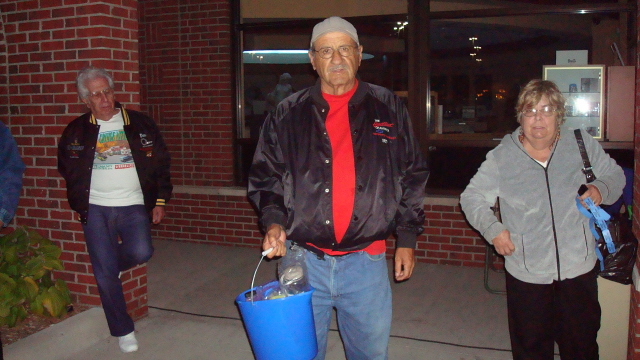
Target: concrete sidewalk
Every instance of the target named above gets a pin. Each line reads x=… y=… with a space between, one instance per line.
x=442 y=313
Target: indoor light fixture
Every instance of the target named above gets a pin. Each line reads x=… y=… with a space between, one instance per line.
x=281 y=56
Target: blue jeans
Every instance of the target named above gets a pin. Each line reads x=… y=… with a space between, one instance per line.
x=357 y=285
x=108 y=256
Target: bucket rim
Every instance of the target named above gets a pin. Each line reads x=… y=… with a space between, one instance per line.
x=241 y=298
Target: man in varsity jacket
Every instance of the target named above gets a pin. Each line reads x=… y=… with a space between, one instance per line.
x=116 y=166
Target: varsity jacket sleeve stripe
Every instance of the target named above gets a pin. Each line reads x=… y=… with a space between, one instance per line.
x=163 y=174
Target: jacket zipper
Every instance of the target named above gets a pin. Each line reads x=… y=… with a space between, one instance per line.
x=553 y=222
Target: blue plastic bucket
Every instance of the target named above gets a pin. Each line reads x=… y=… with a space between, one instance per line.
x=280 y=329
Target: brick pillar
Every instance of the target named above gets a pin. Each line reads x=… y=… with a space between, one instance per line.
x=46 y=43
x=187 y=82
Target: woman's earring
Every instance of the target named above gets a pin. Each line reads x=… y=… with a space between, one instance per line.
x=521 y=136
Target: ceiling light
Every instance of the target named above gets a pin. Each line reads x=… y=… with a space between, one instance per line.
x=281 y=56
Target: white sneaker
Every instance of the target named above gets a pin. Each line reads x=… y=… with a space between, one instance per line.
x=128 y=343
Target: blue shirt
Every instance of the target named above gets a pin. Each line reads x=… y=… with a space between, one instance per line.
x=11 y=169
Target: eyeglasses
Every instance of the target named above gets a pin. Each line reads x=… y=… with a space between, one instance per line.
x=96 y=94
x=344 y=51
x=545 y=111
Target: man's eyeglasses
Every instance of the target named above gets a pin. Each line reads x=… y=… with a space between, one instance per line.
x=96 y=94
x=545 y=111
x=344 y=51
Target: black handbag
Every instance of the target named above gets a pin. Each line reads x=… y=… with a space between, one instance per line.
x=616 y=266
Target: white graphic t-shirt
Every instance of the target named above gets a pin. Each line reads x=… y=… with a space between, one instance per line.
x=114 y=181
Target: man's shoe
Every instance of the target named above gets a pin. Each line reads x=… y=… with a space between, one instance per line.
x=128 y=343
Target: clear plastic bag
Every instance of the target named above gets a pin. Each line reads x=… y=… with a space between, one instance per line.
x=292 y=278
x=292 y=272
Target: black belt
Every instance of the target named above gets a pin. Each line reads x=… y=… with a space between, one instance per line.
x=321 y=254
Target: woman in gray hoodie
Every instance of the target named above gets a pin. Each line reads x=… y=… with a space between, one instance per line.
x=549 y=250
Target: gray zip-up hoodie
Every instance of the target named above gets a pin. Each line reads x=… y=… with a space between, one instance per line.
x=537 y=205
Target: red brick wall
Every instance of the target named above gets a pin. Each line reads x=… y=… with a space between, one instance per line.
x=185 y=51
x=448 y=239
x=210 y=218
x=224 y=217
x=47 y=42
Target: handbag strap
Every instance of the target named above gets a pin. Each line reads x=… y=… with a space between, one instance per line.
x=598 y=217
x=587 y=170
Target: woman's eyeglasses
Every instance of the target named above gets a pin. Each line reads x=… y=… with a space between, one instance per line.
x=545 y=111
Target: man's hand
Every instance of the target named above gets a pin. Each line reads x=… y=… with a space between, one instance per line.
x=592 y=193
x=404 y=262
x=275 y=238
x=157 y=214
x=503 y=243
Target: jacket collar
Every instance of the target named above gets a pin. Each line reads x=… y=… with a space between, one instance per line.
x=513 y=138
x=125 y=115
x=316 y=93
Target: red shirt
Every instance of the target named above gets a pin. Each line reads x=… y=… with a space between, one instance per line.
x=343 y=169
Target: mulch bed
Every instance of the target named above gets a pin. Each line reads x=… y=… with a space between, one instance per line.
x=34 y=323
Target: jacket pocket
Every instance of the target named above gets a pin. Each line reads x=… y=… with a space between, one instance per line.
x=531 y=255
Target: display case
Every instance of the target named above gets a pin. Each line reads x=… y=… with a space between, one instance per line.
x=582 y=87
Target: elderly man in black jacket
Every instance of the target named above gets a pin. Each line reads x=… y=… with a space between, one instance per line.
x=116 y=166
x=336 y=171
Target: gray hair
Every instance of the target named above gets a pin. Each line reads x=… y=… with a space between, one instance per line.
x=91 y=73
x=531 y=94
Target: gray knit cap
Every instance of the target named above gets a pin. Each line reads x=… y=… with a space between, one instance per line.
x=334 y=24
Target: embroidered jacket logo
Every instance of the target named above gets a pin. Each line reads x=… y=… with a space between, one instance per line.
x=383 y=129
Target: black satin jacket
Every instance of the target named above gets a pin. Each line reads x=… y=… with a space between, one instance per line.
x=290 y=180
x=76 y=151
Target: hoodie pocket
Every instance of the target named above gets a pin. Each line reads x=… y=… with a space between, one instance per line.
x=517 y=258
x=531 y=255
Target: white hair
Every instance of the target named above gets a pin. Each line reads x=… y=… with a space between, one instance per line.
x=91 y=73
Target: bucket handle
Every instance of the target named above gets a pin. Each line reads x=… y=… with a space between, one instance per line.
x=264 y=253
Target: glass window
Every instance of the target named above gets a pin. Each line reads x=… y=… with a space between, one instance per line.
x=275 y=64
x=478 y=67
x=479 y=55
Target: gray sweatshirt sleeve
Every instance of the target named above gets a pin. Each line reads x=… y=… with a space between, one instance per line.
x=478 y=198
x=610 y=179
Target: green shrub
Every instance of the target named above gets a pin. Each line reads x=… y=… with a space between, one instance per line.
x=26 y=261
